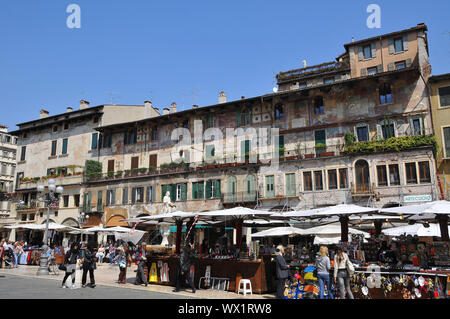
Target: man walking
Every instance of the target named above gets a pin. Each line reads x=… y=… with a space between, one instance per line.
x=184 y=269
x=141 y=258
x=88 y=266
x=282 y=270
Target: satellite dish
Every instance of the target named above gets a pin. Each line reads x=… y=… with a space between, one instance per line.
x=275 y=89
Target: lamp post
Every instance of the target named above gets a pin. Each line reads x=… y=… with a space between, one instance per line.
x=49 y=200
x=82 y=220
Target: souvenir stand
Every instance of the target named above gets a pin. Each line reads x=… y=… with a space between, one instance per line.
x=223 y=267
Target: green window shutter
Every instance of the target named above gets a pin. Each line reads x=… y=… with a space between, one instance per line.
x=54 y=145
x=270 y=192
x=64 y=146
x=94 y=141
x=173 y=192
x=209 y=151
x=217 y=191
x=238 y=118
x=290 y=185
x=89 y=202
x=200 y=189
x=113 y=197
x=153 y=194
x=85 y=201
x=208 y=189
x=194 y=191
x=184 y=191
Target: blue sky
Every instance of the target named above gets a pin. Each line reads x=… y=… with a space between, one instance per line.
x=181 y=51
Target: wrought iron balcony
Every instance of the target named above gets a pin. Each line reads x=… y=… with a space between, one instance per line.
x=239 y=197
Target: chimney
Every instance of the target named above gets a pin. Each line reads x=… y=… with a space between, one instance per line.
x=148 y=108
x=84 y=104
x=195 y=106
x=43 y=114
x=353 y=39
x=166 y=111
x=222 y=97
x=304 y=63
x=69 y=109
x=173 y=107
x=242 y=97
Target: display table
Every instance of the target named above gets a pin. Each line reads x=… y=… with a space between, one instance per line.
x=261 y=273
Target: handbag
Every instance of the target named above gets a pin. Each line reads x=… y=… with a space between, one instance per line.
x=62 y=267
x=350 y=267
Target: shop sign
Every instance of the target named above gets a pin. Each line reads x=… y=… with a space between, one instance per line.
x=417 y=198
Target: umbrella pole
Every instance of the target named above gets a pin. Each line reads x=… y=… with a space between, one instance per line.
x=443 y=224
x=378 y=227
x=344 y=228
x=179 y=224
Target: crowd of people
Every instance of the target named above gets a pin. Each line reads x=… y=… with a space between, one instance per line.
x=10 y=253
x=342 y=265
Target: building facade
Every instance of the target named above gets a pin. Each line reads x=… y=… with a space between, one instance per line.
x=8 y=149
x=358 y=130
x=440 y=103
x=58 y=147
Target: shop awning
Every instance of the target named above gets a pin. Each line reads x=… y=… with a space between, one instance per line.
x=330 y=239
x=116 y=221
x=92 y=221
x=235 y=213
x=338 y=210
x=332 y=230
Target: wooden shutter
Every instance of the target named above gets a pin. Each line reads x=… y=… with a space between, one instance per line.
x=391 y=46
x=110 y=166
x=373 y=47
x=379 y=132
x=173 y=192
x=54 y=145
x=360 y=53
x=134 y=162
x=85 y=202
x=405 y=43
x=89 y=202
x=154 y=160
x=363 y=72
x=94 y=141
x=99 y=201
x=113 y=197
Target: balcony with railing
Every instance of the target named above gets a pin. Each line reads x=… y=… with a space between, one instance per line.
x=311 y=70
x=362 y=190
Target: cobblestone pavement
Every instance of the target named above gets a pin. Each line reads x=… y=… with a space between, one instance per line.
x=16 y=283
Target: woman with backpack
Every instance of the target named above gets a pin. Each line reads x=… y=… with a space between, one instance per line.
x=70 y=262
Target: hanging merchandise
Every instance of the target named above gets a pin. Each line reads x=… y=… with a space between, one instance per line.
x=153 y=273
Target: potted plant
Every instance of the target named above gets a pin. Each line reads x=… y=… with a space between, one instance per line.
x=127 y=172
x=142 y=171
x=119 y=174
x=111 y=174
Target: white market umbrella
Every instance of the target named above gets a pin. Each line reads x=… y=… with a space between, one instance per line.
x=278 y=231
x=329 y=239
x=235 y=213
x=332 y=230
x=413 y=230
x=118 y=229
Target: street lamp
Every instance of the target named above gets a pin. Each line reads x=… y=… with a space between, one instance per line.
x=49 y=200
x=82 y=220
